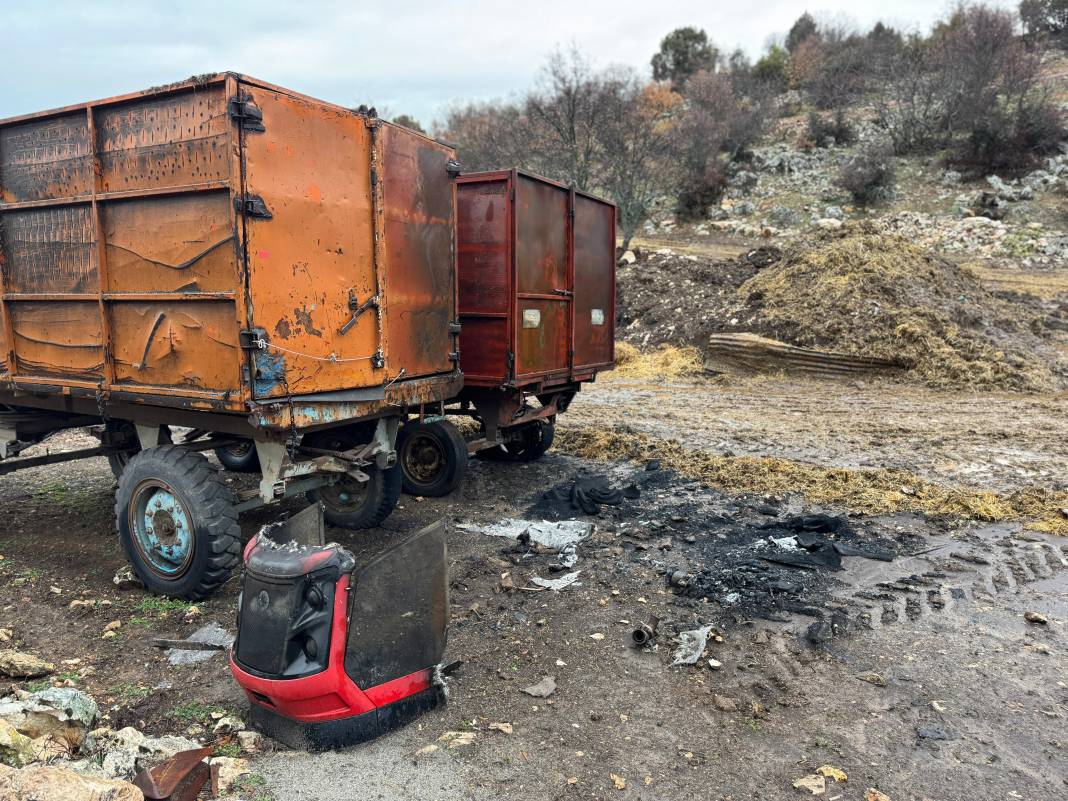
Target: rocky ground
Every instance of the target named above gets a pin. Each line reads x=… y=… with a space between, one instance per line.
x=918 y=677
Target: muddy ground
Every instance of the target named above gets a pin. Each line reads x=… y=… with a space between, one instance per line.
x=917 y=676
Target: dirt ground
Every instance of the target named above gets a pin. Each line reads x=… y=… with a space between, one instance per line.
x=919 y=676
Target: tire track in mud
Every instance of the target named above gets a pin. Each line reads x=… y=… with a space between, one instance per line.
x=947 y=581
x=963 y=576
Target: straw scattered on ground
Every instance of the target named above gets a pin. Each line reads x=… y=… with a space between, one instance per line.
x=865 y=491
x=667 y=361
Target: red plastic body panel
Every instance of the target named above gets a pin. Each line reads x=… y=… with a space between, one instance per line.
x=536 y=275
x=330 y=695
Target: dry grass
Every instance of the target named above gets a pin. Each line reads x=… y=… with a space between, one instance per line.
x=865 y=491
x=667 y=361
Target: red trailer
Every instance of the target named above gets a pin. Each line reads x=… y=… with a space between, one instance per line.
x=536 y=273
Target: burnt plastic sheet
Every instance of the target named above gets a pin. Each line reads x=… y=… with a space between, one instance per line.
x=399 y=610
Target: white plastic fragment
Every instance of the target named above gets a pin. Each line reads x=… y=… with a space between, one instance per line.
x=556 y=584
x=691 y=646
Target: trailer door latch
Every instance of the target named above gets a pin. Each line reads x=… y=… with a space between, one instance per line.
x=247 y=114
x=357 y=310
x=252 y=206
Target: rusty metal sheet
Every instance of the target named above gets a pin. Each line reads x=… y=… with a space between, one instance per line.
x=49 y=250
x=541 y=348
x=541 y=267
x=594 y=282
x=540 y=236
x=483 y=242
x=311 y=167
x=190 y=344
x=59 y=339
x=418 y=260
x=45 y=159
x=170 y=140
x=174 y=243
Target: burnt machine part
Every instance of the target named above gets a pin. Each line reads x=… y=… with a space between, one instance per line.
x=378 y=628
x=176 y=290
x=645 y=633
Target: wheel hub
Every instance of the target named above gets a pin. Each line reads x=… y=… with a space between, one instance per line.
x=163 y=534
x=423 y=459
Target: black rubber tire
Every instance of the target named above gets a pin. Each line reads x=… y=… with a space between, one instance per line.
x=118 y=460
x=241 y=457
x=216 y=541
x=379 y=496
x=443 y=442
x=536 y=439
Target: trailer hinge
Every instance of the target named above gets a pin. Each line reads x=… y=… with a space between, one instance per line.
x=453 y=168
x=247 y=114
x=455 y=356
x=378 y=360
x=511 y=363
x=252 y=206
x=571 y=212
x=252 y=339
x=454 y=328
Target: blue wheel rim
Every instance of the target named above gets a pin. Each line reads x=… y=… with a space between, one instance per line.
x=161 y=529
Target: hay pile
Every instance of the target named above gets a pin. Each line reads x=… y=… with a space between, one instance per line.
x=882 y=297
x=866 y=491
x=854 y=291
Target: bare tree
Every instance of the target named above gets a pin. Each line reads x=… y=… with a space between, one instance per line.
x=640 y=148
x=565 y=112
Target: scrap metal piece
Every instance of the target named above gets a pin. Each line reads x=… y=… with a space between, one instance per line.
x=645 y=633
x=180 y=778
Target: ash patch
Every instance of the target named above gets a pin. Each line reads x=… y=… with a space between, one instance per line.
x=747 y=556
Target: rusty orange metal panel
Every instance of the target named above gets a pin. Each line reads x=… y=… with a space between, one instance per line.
x=189 y=344
x=594 y=283
x=45 y=159
x=174 y=243
x=311 y=168
x=151 y=243
x=418 y=259
x=166 y=141
x=541 y=337
x=49 y=250
x=58 y=339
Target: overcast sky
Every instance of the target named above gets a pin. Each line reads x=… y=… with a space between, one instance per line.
x=406 y=56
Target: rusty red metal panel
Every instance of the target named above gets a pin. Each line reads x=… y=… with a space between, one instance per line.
x=595 y=281
x=418 y=256
x=45 y=159
x=482 y=229
x=483 y=226
x=542 y=285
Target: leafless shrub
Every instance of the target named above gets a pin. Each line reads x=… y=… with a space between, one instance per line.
x=869 y=175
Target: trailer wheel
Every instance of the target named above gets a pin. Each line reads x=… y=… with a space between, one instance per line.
x=240 y=457
x=433 y=457
x=349 y=503
x=177 y=522
x=531 y=444
x=117 y=460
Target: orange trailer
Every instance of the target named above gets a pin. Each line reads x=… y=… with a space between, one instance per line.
x=273 y=272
